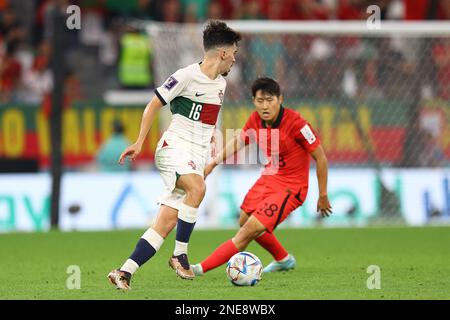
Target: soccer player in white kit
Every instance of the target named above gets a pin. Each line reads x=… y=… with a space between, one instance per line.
x=195 y=94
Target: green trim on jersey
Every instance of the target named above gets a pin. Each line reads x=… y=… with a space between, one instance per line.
x=183 y=106
x=195 y=111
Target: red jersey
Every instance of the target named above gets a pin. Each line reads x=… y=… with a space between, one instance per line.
x=297 y=140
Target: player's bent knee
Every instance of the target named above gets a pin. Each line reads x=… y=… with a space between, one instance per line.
x=196 y=193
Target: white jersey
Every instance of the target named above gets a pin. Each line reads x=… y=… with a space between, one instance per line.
x=195 y=102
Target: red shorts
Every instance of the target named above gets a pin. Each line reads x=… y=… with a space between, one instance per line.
x=271 y=203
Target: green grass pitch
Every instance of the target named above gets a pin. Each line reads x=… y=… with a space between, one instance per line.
x=331 y=264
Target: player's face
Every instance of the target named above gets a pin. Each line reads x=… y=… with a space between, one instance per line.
x=267 y=106
x=228 y=58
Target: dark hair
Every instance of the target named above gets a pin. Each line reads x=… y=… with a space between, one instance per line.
x=118 y=126
x=266 y=85
x=217 y=33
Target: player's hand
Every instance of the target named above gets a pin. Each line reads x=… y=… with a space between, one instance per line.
x=323 y=206
x=131 y=151
x=209 y=168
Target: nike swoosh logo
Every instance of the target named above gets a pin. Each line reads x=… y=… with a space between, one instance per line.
x=199 y=94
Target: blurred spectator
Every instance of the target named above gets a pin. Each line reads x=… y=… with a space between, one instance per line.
x=416 y=9
x=45 y=15
x=194 y=10
x=251 y=10
x=445 y=7
x=11 y=30
x=147 y=9
x=72 y=88
x=10 y=71
x=394 y=73
x=279 y=10
x=171 y=11
x=395 y=10
x=316 y=52
x=92 y=31
x=72 y=93
x=110 y=151
x=227 y=8
x=267 y=56
x=441 y=58
x=314 y=10
x=427 y=9
x=295 y=82
x=135 y=61
x=38 y=81
x=352 y=9
x=214 y=11
x=424 y=151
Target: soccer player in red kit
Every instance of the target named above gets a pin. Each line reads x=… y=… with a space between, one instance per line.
x=283 y=185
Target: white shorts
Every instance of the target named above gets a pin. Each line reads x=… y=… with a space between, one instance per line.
x=173 y=158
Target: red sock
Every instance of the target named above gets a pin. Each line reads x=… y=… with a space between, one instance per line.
x=269 y=242
x=220 y=256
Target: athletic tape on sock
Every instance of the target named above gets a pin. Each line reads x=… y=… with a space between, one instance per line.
x=180 y=248
x=130 y=266
x=152 y=237
x=187 y=213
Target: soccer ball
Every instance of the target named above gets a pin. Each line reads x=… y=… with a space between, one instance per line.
x=244 y=269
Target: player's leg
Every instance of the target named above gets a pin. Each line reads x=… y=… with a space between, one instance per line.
x=194 y=187
x=252 y=199
x=147 y=246
x=248 y=232
x=270 y=242
x=281 y=205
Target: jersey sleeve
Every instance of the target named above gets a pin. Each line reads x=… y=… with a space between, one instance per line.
x=248 y=132
x=305 y=135
x=173 y=86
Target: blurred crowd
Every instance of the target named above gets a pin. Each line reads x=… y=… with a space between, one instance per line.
x=26 y=33
x=200 y=10
x=326 y=67
x=109 y=53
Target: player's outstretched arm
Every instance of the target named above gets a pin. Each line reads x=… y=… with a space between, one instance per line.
x=231 y=148
x=148 y=116
x=323 y=204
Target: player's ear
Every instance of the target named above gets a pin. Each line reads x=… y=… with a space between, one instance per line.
x=281 y=98
x=222 y=53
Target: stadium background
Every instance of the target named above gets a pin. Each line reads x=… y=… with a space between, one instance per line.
x=379 y=99
x=380 y=103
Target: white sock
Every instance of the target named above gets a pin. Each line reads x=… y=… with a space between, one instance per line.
x=180 y=248
x=130 y=266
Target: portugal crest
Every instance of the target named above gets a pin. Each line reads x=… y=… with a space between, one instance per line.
x=192 y=164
